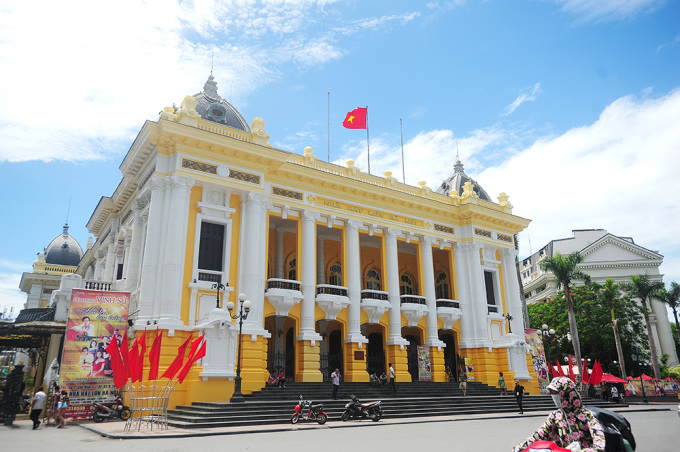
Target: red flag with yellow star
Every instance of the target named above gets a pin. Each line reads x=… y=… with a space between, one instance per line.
x=356 y=119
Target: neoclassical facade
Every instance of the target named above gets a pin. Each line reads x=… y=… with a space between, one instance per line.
x=605 y=255
x=343 y=269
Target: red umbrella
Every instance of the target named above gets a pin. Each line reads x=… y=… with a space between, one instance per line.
x=646 y=377
x=609 y=378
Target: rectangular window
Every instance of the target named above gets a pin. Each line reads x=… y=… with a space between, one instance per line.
x=488 y=283
x=211 y=251
x=119 y=272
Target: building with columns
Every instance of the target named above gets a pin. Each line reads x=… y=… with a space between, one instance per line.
x=605 y=255
x=343 y=268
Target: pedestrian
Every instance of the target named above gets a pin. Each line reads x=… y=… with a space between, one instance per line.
x=462 y=378
x=37 y=406
x=383 y=379
x=605 y=392
x=52 y=406
x=393 y=386
x=281 y=379
x=63 y=405
x=519 y=393
x=501 y=383
x=335 y=379
x=615 y=394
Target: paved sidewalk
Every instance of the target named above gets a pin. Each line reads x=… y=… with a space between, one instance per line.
x=115 y=430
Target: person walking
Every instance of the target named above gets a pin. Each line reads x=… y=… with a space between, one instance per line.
x=335 y=379
x=462 y=381
x=63 y=405
x=519 y=393
x=615 y=394
x=501 y=383
x=52 y=406
x=37 y=406
x=393 y=386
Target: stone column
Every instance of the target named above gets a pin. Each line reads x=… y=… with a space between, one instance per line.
x=99 y=265
x=149 y=284
x=307 y=266
x=478 y=292
x=320 y=261
x=253 y=252
x=172 y=275
x=353 y=275
x=429 y=292
x=460 y=256
x=110 y=262
x=393 y=294
x=135 y=260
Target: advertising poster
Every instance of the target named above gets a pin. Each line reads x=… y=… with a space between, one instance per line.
x=95 y=319
x=469 y=369
x=424 y=369
x=538 y=358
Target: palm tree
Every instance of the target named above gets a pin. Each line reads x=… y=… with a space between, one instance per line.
x=642 y=288
x=609 y=296
x=565 y=271
x=672 y=298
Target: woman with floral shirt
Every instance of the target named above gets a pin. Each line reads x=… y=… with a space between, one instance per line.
x=570 y=422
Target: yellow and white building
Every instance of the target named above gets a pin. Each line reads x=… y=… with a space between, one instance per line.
x=343 y=269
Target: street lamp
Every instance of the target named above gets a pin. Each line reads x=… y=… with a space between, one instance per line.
x=637 y=358
x=219 y=286
x=618 y=365
x=244 y=309
x=508 y=317
x=546 y=333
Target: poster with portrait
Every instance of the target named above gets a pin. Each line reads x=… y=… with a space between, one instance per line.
x=538 y=358
x=424 y=367
x=95 y=319
x=469 y=370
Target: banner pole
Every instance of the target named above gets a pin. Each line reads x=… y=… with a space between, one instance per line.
x=329 y=126
x=368 y=146
x=403 y=169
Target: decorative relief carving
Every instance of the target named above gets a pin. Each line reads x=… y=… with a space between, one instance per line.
x=483 y=232
x=311 y=199
x=353 y=224
x=287 y=193
x=245 y=177
x=199 y=166
x=442 y=228
x=505 y=238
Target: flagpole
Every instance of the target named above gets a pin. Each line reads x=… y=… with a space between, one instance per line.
x=368 y=146
x=403 y=170
x=329 y=126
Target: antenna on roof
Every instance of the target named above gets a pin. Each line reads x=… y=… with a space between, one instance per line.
x=457 y=158
x=68 y=211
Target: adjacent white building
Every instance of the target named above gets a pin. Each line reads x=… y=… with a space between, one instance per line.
x=604 y=256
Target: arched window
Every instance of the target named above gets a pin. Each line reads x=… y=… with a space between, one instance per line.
x=373 y=279
x=406 y=286
x=441 y=286
x=292 y=270
x=335 y=276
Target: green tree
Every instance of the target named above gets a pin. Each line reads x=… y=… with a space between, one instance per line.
x=671 y=297
x=609 y=295
x=642 y=288
x=593 y=319
x=565 y=271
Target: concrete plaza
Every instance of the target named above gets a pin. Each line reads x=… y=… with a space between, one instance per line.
x=656 y=430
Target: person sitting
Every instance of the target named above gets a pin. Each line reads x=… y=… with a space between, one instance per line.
x=373 y=379
x=281 y=380
x=273 y=380
x=383 y=379
x=571 y=422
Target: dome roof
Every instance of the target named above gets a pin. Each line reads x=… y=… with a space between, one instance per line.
x=457 y=180
x=63 y=250
x=213 y=108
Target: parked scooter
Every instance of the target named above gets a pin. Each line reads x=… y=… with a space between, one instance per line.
x=307 y=412
x=356 y=409
x=545 y=446
x=110 y=410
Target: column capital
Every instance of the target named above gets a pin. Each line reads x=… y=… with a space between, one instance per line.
x=427 y=240
x=511 y=252
x=139 y=204
x=177 y=181
x=354 y=224
x=392 y=232
x=255 y=198
x=309 y=215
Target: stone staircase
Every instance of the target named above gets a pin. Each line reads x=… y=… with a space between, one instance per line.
x=417 y=399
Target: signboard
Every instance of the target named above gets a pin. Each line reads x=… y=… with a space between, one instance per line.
x=538 y=358
x=95 y=319
x=469 y=370
x=424 y=368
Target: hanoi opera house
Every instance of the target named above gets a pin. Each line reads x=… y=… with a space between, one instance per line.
x=343 y=269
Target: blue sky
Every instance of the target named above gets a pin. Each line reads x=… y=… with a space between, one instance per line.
x=571 y=107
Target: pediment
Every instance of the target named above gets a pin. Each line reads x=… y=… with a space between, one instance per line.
x=614 y=249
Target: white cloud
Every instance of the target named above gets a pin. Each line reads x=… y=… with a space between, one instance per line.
x=522 y=98
x=619 y=173
x=607 y=10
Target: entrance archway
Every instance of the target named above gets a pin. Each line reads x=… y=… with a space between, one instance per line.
x=412 y=355
x=450 y=355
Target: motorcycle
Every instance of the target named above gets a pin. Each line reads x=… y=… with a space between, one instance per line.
x=307 y=412
x=370 y=410
x=110 y=410
x=545 y=446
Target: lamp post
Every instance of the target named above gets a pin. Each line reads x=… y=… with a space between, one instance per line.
x=637 y=358
x=546 y=333
x=508 y=317
x=219 y=286
x=244 y=309
x=618 y=366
